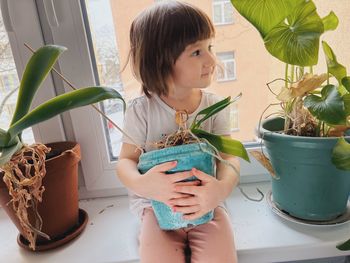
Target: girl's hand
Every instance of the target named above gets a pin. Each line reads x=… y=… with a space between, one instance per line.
x=202 y=199
x=158 y=185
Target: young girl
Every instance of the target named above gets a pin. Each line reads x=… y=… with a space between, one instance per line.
x=172 y=57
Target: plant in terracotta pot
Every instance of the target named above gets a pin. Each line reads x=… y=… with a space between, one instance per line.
x=308 y=143
x=190 y=147
x=38 y=187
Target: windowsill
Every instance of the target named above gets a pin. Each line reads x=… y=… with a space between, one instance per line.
x=111 y=234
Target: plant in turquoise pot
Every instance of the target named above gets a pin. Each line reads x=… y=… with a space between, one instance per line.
x=191 y=148
x=38 y=188
x=308 y=142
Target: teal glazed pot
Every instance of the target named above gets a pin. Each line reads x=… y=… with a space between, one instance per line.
x=187 y=157
x=307 y=184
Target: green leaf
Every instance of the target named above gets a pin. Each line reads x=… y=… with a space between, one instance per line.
x=36 y=70
x=213 y=109
x=329 y=107
x=224 y=144
x=336 y=69
x=344 y=246
x=7 y=152
x=62 y=103
x=330 y=22
x=296 y=40
x=341 y=155
x=346 y=83
x=264 y=14
x=210 y=111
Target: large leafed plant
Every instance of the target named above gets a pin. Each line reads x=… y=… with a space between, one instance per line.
x=312 y=105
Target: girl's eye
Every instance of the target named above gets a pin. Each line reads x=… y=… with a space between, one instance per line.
x=196 y=53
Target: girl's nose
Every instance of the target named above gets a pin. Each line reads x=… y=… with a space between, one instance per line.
x=210 y=60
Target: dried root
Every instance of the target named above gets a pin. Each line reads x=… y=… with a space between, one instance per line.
x=23 y=176
x=301 y=122
x=181 y=136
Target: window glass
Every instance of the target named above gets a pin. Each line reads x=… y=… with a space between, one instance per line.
x=222 y=12
x=9 y=84
x=226 y=67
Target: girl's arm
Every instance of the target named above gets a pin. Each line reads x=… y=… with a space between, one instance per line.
x=210 y=193
x=155 y=184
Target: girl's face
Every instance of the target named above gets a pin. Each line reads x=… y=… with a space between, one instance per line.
x=195 y=66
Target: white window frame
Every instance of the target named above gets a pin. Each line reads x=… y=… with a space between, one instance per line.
x=223 y=66
x=22 y=24
x=66 y=25
x=221 y=5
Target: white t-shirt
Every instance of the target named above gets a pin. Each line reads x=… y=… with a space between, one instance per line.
x=147 y=120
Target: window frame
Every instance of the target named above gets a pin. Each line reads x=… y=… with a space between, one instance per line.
x=224 y=67
x=15 y=15
x=221 y=4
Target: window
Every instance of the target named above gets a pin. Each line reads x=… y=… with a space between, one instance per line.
x=222 y=12
x=226 y=70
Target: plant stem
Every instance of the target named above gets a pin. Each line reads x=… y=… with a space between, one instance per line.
x=286 y=76
x=292 y=73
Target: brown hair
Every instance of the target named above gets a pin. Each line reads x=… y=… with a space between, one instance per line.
x=157 y=38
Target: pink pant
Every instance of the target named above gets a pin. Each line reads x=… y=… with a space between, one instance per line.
x=209 y=243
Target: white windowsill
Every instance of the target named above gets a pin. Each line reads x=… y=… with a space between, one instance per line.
x=111 y=234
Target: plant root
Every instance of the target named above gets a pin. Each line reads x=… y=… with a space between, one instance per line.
x=23 y=176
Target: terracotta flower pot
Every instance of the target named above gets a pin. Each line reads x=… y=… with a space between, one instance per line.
x=59 y=209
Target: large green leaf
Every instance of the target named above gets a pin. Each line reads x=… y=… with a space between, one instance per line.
x=346 y=83
x=296 y=40
x=330 y=22
x=224 y=144
x=335 y=68
x=265 y=14
x=341 y=155
x=62 y=103
x=34 y=74
x=329 y=107
x=7 y=152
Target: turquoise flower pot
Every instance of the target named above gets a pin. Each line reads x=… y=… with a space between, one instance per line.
x=187 y=157
x=308 y=185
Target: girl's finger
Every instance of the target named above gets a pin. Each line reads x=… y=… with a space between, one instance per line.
x=180 y=176
x=193 y=216
x=187 y=189
x=163 y=167
x=178 y=195
x=186 y=209
x=196 y=182
x=187 y=201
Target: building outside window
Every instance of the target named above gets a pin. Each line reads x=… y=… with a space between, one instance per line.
x=226 y=70
x=222 y=12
